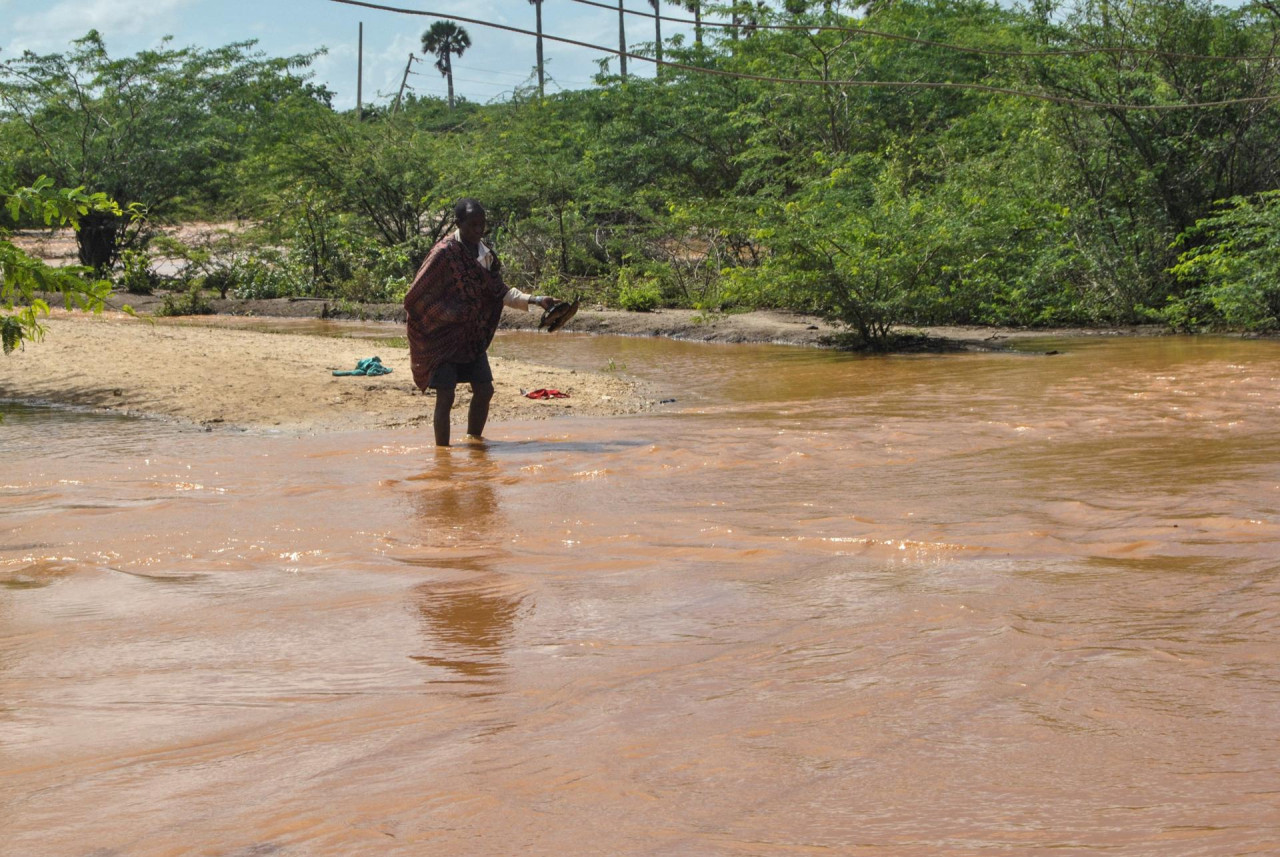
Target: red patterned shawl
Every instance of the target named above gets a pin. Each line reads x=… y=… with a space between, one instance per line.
x=453 y=309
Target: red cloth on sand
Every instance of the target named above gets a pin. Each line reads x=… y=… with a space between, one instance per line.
x=545 y=394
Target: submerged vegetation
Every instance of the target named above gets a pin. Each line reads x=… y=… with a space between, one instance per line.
x=1046 y=165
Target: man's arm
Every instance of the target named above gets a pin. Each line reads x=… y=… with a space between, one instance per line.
x=517 y=299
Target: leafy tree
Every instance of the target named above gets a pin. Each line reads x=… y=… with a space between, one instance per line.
x=22 y=276
x=533 y=169
x=1232 y=266
x=1146 y=176
x=386 y=172
x=875 y=206
x=444 y=39
x=965 y=235
x=655 y=144
x=157 y=129
x=1006 y=201
x=862 y=256
x=352 y=199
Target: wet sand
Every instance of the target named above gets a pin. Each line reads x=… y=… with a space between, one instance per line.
x=273 y=381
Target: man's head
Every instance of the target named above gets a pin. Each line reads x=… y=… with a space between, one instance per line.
x=469 y=214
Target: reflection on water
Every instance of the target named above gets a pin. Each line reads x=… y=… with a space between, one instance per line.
x=821 y=603
x=459 y=493
x=468 y=620
x=469 y=623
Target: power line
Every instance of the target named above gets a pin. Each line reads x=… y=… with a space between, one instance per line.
x=516 y=74
x=897 y=37
x=470 y=68
x=496 y=71
x=853 y=84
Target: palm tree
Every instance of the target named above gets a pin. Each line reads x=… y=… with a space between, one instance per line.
x=695 y=6
x=657 y=33
x=755 y=16
x=444 y=39
x=537 y=5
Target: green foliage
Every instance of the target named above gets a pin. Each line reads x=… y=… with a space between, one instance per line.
x=867 y=264
x=265 y=275
x=192 y=302
x=11 y=333
x=1143 y=177
x=22 y=276
x=336 y=258
x=136 y=276
x=1232 y=266
x=384 y=175
x=1014 y=257
x=156 y=129
x=637 y=292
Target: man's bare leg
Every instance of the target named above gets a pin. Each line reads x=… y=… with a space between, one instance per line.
x=444 y=404
x=478 y=413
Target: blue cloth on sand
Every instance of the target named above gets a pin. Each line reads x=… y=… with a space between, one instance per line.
x=367 y=366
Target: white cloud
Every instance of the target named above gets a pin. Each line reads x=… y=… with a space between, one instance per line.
x=52 y=29
x=121 y=16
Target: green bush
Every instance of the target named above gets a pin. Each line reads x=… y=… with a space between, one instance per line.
x=267 y=275
x=191 y=303
x=637 y=292
x=221 y=280
x=137 y=276
x=1234 y=268
x=364 y=286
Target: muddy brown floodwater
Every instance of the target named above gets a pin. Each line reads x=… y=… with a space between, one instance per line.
x=979 y=603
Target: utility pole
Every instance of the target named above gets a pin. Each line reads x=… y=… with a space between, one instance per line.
x=622 y=41
x=403 y=81
x=360 y=74
x=542 y=84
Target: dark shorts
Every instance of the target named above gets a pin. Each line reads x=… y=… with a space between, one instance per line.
x=453 y=374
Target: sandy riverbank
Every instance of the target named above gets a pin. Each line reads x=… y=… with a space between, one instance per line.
x=282 y=381
x=220 y=377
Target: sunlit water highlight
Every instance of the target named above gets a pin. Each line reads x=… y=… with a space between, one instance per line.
x=892 y=606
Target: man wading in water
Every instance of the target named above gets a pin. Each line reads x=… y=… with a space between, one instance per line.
x=453 y=309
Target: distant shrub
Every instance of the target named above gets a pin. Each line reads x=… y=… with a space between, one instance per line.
x=136 y=275
x=364 y=286
x=377 y=275
x=221 y=280
x=191 y=303
x=265 y=276
x=636 y=292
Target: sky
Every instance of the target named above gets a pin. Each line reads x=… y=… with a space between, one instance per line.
x=496 y=63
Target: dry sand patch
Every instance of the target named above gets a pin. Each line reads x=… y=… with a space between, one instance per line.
x=253 y=380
